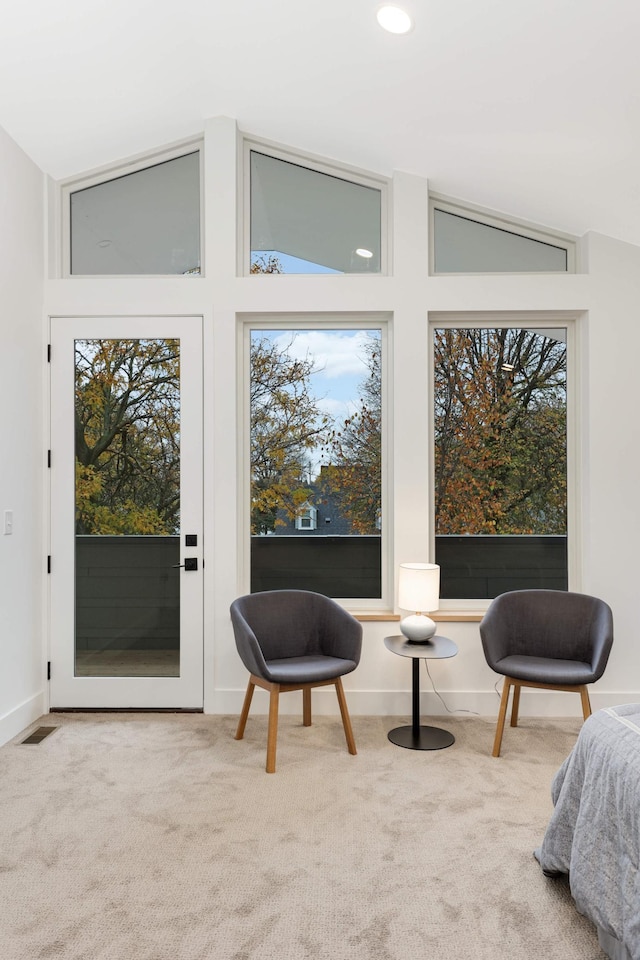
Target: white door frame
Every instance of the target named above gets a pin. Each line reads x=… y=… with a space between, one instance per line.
x=66 y=689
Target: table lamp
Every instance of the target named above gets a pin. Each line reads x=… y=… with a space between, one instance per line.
x=418 y=590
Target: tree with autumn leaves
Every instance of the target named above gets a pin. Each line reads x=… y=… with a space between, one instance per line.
x=500 y=432
x=354 y=450
x=127 y=437
x=500 y=424
x=286 y=424
x=499 y=444
x=127 y=428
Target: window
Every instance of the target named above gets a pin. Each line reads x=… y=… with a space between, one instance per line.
x=500 y=458
x=314 y=492
x=465 y=240
x=307 y=518
x=144 y=221
x=305 y=220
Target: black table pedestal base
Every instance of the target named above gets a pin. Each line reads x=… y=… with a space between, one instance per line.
x=424 y=738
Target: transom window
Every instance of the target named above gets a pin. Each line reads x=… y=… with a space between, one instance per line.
x=466 y=240
x=305 y=220
x=143 y=221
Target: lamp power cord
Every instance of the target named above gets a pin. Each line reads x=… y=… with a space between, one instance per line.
x=460 y=710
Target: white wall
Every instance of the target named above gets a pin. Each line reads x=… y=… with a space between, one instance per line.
x=611 y=529
x=22 y=453
x=604 y=299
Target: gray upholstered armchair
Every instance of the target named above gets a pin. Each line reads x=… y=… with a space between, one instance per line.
x=545 y=638
x=294 y=640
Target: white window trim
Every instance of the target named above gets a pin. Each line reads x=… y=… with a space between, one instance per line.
x=570 y=321
x=248 y=322
x=113 y=171
x=320 y=165
x=491 y=218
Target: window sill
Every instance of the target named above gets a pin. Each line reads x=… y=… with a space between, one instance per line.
x=458 y=616
x=380 y=615
x=442 y=616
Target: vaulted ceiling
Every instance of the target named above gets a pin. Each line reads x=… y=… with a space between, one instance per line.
x=532 y=108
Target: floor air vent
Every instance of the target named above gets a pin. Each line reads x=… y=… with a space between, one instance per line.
x=39 y=734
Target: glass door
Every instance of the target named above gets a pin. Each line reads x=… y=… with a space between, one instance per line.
x=126 y=513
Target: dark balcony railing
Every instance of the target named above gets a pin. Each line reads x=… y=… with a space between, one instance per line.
x=127 y=588
x=127 y=593
x=475 y=568
x=480 y=568
x=335 y=566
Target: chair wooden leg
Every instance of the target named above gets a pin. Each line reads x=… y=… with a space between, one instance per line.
x=515 y=705
x=306 y=707
x=586 y=703
x=242 y=722
x=501 y=717
x=272 y=734
x=346 y=720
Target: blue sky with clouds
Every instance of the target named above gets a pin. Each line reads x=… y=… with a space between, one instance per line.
x=339 y=359
x=339 y=362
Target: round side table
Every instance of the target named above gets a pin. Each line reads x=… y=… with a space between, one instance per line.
x=417 y=737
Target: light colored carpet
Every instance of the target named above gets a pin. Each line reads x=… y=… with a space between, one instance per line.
x=160 y=837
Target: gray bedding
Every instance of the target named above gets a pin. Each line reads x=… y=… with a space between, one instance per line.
x=594 y=832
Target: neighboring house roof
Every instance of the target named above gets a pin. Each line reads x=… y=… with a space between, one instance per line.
x=329 y=519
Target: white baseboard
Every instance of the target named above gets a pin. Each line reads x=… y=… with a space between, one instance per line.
x=368 y=703
x=397 y=703
x=20 y=717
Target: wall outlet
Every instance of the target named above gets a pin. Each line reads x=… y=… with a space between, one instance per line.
x=8 y=523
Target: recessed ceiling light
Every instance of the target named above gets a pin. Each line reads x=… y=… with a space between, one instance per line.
x=394 y=19
x=362 y=252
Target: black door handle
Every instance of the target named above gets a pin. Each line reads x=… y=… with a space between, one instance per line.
x=190 y=563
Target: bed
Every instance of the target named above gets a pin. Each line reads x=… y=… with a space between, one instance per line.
x=594 y=832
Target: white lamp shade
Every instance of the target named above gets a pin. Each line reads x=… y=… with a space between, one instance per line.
x=419 y=587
